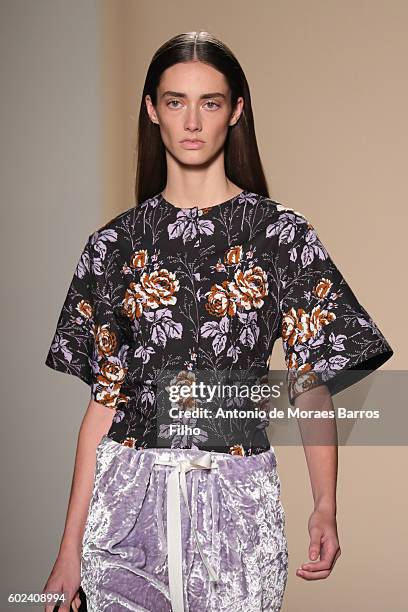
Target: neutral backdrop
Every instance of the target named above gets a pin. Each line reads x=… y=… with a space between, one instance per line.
x=330 y=95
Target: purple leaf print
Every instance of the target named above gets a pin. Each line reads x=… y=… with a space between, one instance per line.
x=224 y=325
x=234 y=351
x=312 y=247
x=218 y=331
x=317 y=341
x=210 y=329
x=118 y=416
x=205 y=226
x=287 y=234
x=176 y=229
x=366 y=323
x=328 y=368
x=219 y=343
x=189 y=226
x=338 y=362
x=163 y=326
x=97 y=266
x=99 y=238
x=321 y=365
x=84 y=265
x=190 y=232
x=293 y=254
x=285 y=228
x=307 y=255
x=158 y=335
x=144 y=353
x=62 y=345
x=172 y=328
x=250 y=332
x=337 y=341
x=148 y=395
x=164 y=431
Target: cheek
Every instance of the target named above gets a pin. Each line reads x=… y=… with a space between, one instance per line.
x=170 y=126
x=168 y=131
x=217 y=129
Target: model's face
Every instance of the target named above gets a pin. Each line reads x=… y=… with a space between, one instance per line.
x=193 y=103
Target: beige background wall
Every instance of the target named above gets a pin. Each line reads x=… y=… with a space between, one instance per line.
x=329 y=92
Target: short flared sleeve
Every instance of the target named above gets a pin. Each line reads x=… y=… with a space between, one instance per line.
x=88 y=341
x=328 y=336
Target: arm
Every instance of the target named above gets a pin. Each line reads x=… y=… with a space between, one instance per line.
x=320 y=445
x=96 y=422
x=65 y=574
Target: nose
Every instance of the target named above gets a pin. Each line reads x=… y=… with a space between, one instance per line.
x=192 y=119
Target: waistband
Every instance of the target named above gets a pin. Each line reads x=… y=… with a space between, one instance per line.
x=265 y=459
x=233 y=449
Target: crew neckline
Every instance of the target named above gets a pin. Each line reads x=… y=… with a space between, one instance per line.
x=207 y=208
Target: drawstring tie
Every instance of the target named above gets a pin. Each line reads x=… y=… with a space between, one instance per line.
x=177 y=480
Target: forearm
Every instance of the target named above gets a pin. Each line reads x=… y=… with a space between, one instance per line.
x=95 y=424
x=319 y=437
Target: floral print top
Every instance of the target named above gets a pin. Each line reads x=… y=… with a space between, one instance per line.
x=163 y=295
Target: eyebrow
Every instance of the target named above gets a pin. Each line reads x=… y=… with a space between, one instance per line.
x=179 y=94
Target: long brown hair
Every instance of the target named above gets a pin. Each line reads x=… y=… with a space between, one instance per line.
x=242 y=161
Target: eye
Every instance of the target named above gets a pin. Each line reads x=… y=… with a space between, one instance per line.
x=211 y=102
x=214 y=103
x=171 y=101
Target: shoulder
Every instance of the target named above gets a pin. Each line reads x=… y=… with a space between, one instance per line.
x=108 y=243
x=118 y=229
x=124 y=219
x=284 y=221
x=278 y=208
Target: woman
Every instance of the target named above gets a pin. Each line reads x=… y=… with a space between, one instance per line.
x=189 y=289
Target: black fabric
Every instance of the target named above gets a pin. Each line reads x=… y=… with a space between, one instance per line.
x=165 y=295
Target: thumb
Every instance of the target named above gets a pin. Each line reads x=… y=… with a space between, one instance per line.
x=314 y=549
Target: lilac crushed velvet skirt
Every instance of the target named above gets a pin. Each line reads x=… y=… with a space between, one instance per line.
x=145 y=548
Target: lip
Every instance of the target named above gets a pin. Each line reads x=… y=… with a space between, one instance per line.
x=192 y=143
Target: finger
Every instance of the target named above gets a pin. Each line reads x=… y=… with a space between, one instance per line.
x=328 y=554
x=49 y=607
x=306 y=575
x=316 y=569
x=336 y=556
x=67 y=604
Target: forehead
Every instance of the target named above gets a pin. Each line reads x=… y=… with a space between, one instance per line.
x=192 y=79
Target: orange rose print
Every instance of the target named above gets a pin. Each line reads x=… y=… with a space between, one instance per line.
x=85 y=309
x=139 y=259
x=253 y=286
x=299 y=326
x=132 y=305
x=323 y=287
x=159 y=287
x=233 y=255
x=105 y=340
x=222 y=299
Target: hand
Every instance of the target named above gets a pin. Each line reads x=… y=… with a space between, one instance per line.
x=65 y=578
x=324 y=542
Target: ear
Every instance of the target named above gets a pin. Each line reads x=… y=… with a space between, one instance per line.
x=151 y=111
x=239 y=107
